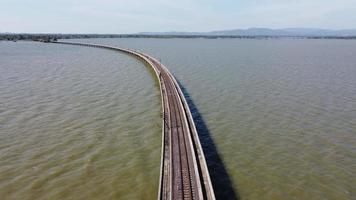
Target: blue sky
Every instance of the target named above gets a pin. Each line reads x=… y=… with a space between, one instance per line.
x=130 y=16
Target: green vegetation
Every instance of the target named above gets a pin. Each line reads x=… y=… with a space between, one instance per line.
x=54 y=37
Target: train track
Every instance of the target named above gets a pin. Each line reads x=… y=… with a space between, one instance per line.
x=184 y=174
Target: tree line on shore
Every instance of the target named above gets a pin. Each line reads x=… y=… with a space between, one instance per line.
x=55 y=37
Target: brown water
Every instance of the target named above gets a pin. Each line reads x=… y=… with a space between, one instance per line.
x=77 y=123
x=281 y=113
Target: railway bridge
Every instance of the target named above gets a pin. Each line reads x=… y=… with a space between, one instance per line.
x=183 y=173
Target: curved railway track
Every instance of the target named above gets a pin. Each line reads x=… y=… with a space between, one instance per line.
x=184 y=173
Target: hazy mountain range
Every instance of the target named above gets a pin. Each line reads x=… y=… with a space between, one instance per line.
x=266 y=32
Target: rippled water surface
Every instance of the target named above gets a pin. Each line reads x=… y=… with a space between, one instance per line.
x=77 y=123
x=85 y=123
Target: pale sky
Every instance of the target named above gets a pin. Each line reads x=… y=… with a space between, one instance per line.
x=131 y=16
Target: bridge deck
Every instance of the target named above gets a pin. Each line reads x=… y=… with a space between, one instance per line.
x=184 y=174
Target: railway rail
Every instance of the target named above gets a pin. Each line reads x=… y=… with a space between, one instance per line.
x=184 y=173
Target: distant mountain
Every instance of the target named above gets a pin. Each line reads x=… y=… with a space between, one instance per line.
x=266 y=32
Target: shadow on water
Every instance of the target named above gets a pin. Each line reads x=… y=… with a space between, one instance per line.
x=222 y=184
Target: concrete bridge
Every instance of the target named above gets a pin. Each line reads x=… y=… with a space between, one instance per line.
x=184 y=173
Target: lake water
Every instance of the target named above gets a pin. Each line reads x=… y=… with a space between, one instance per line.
x=277 y=117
